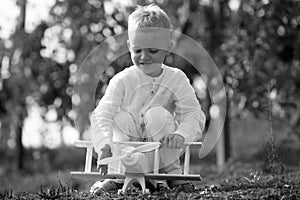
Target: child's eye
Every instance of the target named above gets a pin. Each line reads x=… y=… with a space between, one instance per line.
x=137 y=51
x=153 y=51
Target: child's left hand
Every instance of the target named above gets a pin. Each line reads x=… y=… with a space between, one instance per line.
x=173 y=141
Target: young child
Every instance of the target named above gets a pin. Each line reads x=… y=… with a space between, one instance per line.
x=148 y=101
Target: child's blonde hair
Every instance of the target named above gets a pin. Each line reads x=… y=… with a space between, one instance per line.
x=148 y=16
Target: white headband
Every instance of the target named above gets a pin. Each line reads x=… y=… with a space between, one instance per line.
x=152 y=37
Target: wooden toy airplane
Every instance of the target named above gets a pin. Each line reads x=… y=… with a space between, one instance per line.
x=135 y=163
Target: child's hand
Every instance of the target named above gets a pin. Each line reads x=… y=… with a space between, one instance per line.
x=106 y=152
x=173 y=141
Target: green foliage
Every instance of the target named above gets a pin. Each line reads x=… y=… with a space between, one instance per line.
x=6 y=194
x=57 y=192
x=255 y=47
x=239 y=181
x=263 y=51
x=252 y=186
x=46 y=160
x=273 y=163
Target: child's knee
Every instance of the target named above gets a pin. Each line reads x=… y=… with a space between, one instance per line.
x=159 y=122
x=124 y=126
x=158 y=116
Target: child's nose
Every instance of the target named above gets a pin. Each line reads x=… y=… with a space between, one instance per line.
x=144 y=54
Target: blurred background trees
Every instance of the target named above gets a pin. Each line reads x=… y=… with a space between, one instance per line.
x=255 y=45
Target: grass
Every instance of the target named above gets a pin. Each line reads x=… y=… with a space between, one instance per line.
x=238 y=181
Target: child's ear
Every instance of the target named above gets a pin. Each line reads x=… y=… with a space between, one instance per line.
x=128 y=44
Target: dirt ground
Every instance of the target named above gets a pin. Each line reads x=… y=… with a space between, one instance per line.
x=237 y=181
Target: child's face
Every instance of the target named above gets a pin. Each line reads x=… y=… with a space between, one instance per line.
x=148 y=51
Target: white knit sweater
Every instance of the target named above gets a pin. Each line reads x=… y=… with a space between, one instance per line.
x=135 y=92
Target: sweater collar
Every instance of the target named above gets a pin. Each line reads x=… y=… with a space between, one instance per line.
x=150 y=78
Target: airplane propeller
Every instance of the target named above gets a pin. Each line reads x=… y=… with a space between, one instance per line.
x=142 y=148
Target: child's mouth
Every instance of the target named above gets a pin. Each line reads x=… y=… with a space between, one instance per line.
x=142 y=63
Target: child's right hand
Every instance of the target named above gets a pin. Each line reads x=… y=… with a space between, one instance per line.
x=172 y=141
x=106 y=152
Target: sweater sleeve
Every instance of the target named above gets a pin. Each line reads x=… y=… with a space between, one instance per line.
x=189 y=116
x=102 y=117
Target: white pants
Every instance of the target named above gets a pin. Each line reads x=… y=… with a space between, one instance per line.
x=157 y=123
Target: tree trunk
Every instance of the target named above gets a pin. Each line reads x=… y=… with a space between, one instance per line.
x=216 y=19
x=227 y=131
x=20 y=106
x=19 y=145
